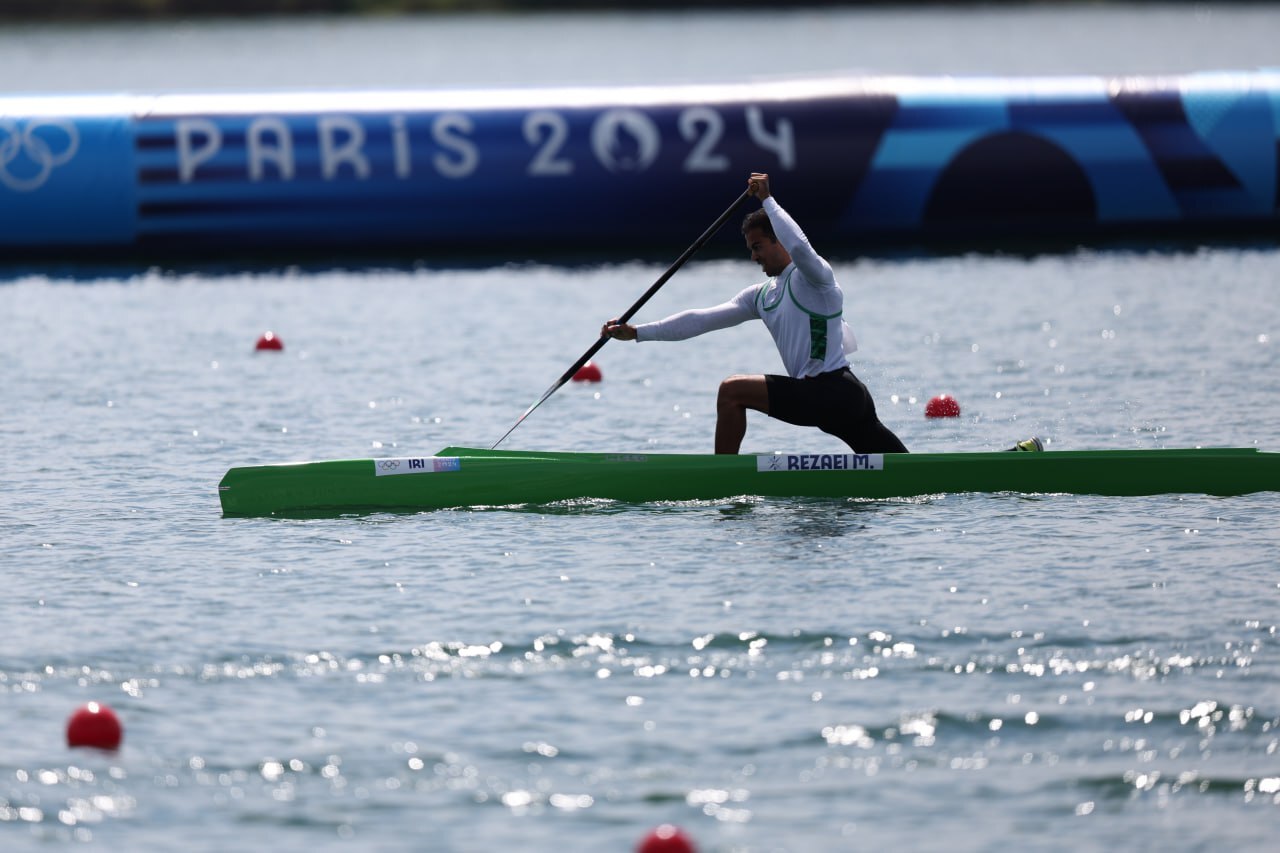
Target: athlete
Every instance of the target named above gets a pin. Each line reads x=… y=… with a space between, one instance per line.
x=801 y=305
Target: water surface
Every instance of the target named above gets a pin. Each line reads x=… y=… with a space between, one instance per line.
x=959 y=672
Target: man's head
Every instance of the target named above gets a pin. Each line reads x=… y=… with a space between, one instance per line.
x=763 y=244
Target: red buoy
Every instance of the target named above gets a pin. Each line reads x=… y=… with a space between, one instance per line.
x=589 y=372
x=269 y=341
x=94 y=725
x=666 y=839
x=942 y=406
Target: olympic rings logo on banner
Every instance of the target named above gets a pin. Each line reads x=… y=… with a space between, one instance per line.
x=34 y=154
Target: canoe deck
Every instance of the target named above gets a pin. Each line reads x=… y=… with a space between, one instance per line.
x=469 y=477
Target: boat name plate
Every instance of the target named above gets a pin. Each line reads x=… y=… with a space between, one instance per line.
x=821 y=462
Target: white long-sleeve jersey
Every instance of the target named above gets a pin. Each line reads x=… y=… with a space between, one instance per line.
x=802 y=307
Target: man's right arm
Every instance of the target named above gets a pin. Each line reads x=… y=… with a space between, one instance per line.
x=690 y=323
x=693 y=322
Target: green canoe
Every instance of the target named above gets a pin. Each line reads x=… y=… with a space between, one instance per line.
x=463 y=477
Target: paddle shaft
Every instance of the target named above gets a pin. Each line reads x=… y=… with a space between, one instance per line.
x=630 y=312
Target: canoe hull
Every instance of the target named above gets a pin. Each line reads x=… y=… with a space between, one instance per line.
x=463 y=477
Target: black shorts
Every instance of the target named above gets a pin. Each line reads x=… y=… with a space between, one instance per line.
x=836 y=403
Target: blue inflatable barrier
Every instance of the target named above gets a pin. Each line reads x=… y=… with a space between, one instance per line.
x=859 y=161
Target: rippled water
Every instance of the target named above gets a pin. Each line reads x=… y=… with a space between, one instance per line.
x=959 y=672
x=627 y=47
x=962 y=672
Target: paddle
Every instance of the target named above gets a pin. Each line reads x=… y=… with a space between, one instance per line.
x=662 y=279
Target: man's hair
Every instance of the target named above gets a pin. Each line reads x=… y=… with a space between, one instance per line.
x=759 y=219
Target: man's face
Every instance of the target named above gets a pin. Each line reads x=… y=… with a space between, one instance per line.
x=767 y=252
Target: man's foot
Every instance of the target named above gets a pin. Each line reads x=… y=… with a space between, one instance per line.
x=1032 y=443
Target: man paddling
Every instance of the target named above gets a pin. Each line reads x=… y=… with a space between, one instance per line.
x=801 y=304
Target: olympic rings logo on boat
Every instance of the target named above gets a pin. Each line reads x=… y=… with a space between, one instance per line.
x=389 y=464
x=34 y=154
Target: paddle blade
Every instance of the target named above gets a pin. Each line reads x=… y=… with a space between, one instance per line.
x=565 y=377
x=526 y=414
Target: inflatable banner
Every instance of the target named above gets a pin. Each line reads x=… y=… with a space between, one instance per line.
x=861 y=162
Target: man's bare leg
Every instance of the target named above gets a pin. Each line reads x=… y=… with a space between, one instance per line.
x=737 y=394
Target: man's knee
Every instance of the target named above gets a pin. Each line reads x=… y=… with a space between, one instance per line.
x=743 y=392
